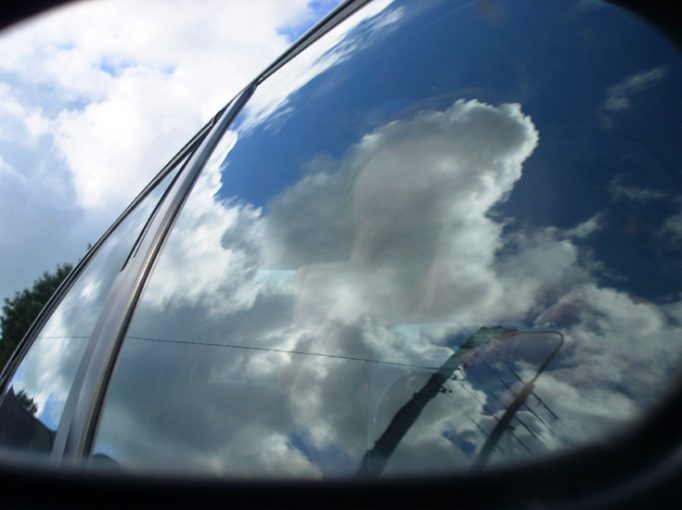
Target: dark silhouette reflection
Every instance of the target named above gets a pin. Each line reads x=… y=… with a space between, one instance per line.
x=370 y=210
x=374 y=461
x=19 y=427
x=103 y=461
x=47 y=370
x=520 y=399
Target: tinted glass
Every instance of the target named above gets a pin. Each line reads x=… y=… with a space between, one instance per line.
x=34 y=399
x=445 y=235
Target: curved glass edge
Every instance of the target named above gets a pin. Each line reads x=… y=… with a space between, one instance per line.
x=564 y=242
x=34 y=397
x=72 y=444
x=54 y=301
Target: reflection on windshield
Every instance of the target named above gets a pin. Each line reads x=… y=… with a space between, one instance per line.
x=465 y=358
x=34 y=400
x=272 y=104
x=405 y=264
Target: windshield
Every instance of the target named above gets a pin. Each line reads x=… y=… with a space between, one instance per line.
x=445 y=235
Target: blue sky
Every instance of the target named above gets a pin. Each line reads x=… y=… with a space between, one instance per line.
x=608 y=123
x=94 y=101
x=421 y=171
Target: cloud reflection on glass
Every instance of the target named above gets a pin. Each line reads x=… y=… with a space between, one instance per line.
x=46 y=373
x=333 y=259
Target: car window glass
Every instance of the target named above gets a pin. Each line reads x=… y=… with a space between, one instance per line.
x=34 y=398
x=445 y=235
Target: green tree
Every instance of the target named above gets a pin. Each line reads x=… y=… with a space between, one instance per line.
x=19 y=312
x=27 y=402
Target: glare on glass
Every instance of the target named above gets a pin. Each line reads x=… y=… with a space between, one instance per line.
x=444 y=236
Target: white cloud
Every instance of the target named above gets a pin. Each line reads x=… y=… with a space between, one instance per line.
x=39 y=225
x=587 y=227
x=97 y=96
x=359 y=258
x=7 y=172
x=396 y=232
x=618 y=349
x=18 y=122
x=273 y=95
x=144 y=77
x=618 y=96
x=622 y=192
x=437 y=263
x=670 y=230
x=114 y=146
x=47 y=372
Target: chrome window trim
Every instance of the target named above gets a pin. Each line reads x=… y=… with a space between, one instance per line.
x=545 y=482
x=38 y=323
x=78 y=426
x=651 y=461
x=105 y=351
x=344 y=10
x=81 y=412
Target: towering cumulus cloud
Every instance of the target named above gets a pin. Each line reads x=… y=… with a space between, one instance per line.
x=318 y=314
x=406 y=214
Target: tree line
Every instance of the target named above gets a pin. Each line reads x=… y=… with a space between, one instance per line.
x=19 y=311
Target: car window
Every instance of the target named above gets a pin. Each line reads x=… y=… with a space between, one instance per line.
x=34 y=398
x=443 y=236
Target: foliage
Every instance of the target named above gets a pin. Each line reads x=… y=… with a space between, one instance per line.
x=19 y=312
x=27 y=402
